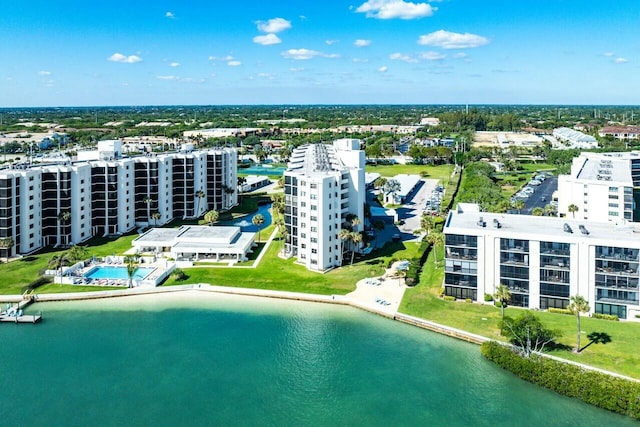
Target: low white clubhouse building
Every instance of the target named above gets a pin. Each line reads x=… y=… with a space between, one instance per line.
x=197 y=243
x=542 y=260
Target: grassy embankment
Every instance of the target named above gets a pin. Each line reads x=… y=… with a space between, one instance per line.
x=619 y=355
x=285 y=275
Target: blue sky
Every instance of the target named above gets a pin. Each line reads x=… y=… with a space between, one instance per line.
x=136 y=52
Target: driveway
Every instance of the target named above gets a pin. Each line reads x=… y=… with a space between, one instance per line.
x=542 y=195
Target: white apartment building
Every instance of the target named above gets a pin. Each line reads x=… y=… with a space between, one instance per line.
x=603 y=186
x=542 y=260
x=324 y=184
x=69 y=202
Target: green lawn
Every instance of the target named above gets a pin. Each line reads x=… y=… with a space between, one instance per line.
x=620 y=355
x=17 y=274
x=441 y=172
x=284 y=275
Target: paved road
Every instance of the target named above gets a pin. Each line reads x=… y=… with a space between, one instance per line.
x=544 y=190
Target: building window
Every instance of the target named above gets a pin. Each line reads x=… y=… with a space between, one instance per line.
x=314 y=240
x=314 y=186
x=314 y=207
x=314 y=251
x=314 y=197
x=314 y=229
x=314 y=218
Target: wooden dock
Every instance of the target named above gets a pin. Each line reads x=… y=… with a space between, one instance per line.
x=14 y=314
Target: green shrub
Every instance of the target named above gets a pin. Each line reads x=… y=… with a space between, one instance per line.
x=179 y=274
x=497 y=304
x=637 y=316
x=598 y=389
x=605 y=317
x=391 y=261
x=449 y=298
x=560 y=310
x=468 y=300
x=488 y=297
x=441 y=291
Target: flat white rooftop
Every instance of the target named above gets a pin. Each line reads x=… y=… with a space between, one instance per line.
x=529 y=227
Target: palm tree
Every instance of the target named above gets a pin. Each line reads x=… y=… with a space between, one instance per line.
x=578 y=304
x=155 y=217
x=59 y=260
x=258 y=220
x=518 y=204
x=573 y=209
x=503 y=295
x=345 y=236
x=427 y=222
x=78 y=253
x=199 y=195
x=211 y=217
x=436 y=238
x=355 y=222
x=132 y=266
x=147 y=201
x=393 y=187
x=537 y=211
x=6 y=243
x=241 y=181
x=64 y=217
x=356 y=239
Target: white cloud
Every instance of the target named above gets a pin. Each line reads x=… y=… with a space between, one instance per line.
x=331 y=42
x=234 y=63
x=361 y=43
x=296 y=69
x=449 y=40
x=359 y=60
x=167 y=77
x=170 y=15
x=621 y=60
x=44 y=73
x=390 y=9
x=460 y=55
x=383 y=69
x=221 y=58
x=274 y=25
x=181 y=79
x=402 y=57
x=267 y=39
x=608 y=54
x=174 y=64
x=118 y=57
x=302 y=54
x=432 y=56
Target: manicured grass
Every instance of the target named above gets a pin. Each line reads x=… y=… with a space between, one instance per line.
x=19 y=273
x=620 y=355
x=285 y=275
x=60 y=289
x=441 y=172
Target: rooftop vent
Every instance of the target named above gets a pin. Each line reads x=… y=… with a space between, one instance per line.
x=567 y=228
x=481 y=222
x=496 y=223
x=583 y=230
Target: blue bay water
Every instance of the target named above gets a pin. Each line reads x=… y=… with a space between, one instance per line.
x=198 y=359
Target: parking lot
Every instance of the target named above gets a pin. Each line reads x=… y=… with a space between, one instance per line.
x=535 y=196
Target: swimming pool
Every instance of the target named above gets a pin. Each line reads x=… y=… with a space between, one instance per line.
x=116 y=273
x=262 y=170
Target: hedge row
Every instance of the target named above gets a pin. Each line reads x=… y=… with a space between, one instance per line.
x=560 y=310
x=37 y=283
x=604 y=391
x=606 y=317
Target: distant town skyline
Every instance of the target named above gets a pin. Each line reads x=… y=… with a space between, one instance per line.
x=72 y=53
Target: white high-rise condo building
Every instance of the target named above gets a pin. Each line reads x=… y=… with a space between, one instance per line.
x=542 y=260
x=69 y=202
x=324 y=190
x=601 y=187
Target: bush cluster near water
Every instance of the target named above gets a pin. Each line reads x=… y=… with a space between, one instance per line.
x=601 y=390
